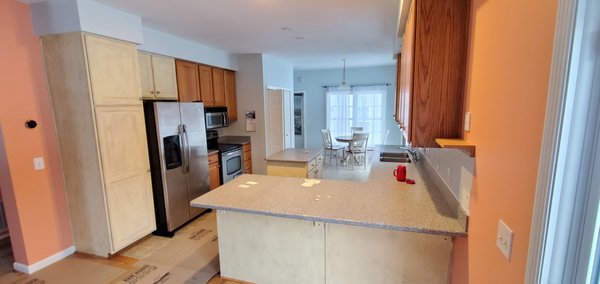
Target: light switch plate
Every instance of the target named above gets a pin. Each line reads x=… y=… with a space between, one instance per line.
x=504 y=239
x=467 y=121
x=38 y=163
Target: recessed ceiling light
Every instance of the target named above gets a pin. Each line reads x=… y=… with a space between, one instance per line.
x=299 y=38
x=287 y=29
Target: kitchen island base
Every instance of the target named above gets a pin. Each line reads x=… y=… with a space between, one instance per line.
x=266 y=249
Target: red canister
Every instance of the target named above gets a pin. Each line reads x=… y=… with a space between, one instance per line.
x=400 y=173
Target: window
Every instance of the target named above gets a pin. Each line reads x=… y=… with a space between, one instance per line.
x=361 y=106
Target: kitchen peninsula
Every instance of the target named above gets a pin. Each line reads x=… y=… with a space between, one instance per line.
x=274 y=230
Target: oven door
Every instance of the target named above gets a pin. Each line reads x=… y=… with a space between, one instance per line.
x=232 y=164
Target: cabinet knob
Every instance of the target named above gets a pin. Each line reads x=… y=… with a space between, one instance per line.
x=157 y=92
x=152 y=92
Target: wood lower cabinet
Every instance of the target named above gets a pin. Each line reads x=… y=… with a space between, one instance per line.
x=248 y=158
x=157 y=75
x=102 y=139
x=214 y=171
x=431 y=77
x=188 y=85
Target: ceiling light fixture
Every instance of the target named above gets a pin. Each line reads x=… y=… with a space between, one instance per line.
x=344 y=86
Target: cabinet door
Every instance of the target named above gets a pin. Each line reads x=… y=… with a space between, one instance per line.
x=125 y=168
x=187 y=81
x=165 y=81
x=145 y=63
x=230 y=95
x=206 y=85
x=213 y=171
x=113 y=69
x=407 y=74
x=218 y=86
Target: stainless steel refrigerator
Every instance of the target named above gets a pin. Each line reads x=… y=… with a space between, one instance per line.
x=178 y=161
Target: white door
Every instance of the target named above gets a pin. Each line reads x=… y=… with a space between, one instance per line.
x=288 y=118
x=280 y=121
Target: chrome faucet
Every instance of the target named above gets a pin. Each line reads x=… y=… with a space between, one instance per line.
x=414 y=156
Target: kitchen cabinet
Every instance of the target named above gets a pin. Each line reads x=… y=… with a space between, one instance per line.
x=432 y=71
x=96 y=98
x=212 y=85
x=230 y=95
x=206 y=85
x=157 y=75
x=214 y=170
x=218 y=83
x=188 y=85
x=247 y=158
x=296 y=163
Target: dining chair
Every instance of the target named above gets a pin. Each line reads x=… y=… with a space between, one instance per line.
x=358 y=149
x=356 y=129
x=329 y=147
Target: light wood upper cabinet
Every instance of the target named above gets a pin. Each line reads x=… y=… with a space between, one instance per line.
x=113 y=70
x=157 y=74
x=230 y=95
x=95 y=90
x=218 y=82
x=188 y=85
x=432 y=71
x=206 y=85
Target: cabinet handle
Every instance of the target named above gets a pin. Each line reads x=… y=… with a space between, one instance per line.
x=157 y=92
x=152 y=92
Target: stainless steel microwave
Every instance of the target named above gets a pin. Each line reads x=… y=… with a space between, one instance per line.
x=216 y=117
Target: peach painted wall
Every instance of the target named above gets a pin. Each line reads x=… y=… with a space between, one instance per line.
x=510 y=54
x=36 y=205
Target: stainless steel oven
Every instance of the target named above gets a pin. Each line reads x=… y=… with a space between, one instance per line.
x=232 y=161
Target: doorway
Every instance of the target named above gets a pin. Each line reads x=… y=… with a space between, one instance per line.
x=299 y=130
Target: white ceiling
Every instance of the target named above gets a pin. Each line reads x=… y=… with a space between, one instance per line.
x=363 y=31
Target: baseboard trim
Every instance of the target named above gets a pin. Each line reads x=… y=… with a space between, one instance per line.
x=29 y=269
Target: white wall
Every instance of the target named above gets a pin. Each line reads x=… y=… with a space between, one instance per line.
x=311 y=82
x=456 y=170
x=166 y=44
x=278 y=72
x=62 y=16
x=250 y=96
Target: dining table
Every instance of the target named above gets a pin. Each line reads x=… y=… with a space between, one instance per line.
x=345 y=139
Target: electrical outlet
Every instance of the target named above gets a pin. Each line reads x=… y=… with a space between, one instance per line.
x=448 y=174
x=504 y=239
x=38 y=163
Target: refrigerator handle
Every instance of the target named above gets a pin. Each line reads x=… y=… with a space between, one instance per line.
x=189 y=151
x=181 y=129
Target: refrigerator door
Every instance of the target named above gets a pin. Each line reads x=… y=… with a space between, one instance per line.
x=173 y=171
x=192 y=116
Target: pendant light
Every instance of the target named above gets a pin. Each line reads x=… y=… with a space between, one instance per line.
x=344 y=86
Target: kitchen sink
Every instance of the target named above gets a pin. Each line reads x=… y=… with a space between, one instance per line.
x=394 y=157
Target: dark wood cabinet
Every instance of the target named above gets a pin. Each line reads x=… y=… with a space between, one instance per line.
x=431 y=74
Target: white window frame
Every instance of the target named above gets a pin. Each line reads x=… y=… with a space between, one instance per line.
x=565 y=219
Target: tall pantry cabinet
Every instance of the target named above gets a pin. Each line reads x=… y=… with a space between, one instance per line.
x=96 y=99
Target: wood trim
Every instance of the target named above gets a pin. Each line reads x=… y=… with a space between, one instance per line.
x=465 y=146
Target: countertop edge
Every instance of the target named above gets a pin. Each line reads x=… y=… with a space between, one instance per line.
x=337 y=221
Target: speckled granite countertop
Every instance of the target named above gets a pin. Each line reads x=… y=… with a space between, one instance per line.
x=380 y=202
x=294 y=155
x=234 y=139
